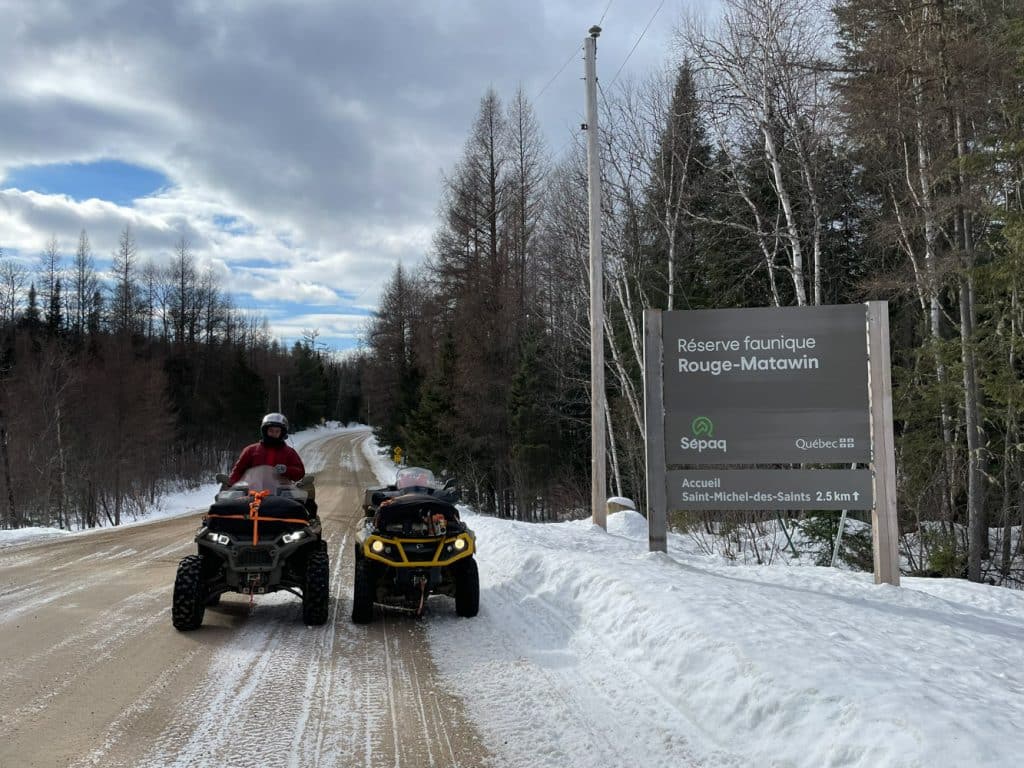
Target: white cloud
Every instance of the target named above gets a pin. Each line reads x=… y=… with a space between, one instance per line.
x=321 y=127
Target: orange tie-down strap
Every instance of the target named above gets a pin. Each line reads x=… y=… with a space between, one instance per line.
x=254 y=515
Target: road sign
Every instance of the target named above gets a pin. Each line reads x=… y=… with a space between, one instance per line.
x=696 y=489
x=766 y=385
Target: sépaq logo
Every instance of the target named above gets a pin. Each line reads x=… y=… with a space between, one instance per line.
x=703 y=430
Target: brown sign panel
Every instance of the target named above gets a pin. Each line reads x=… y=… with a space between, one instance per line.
x=824 y=489
x=764 y=386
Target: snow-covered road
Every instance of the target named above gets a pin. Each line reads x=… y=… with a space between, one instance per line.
x=94 y=675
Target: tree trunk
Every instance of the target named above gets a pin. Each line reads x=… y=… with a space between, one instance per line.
x=62 y=470
x=11 y=517
x=613 y=451
x=978 y=540
x=924 y=202
x=978 y=537
x=796 y=256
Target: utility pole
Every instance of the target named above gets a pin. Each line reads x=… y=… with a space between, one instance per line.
x=598 y=488
x=279 y=393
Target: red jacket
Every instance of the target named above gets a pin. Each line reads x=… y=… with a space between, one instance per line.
x=258 y=454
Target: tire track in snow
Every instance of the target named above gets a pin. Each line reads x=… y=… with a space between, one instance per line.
x=548 y=628
x=298 y=706
x=319 y=685
x=264 y=689
x=219 y=723
x=530 y=664
x=392 y=657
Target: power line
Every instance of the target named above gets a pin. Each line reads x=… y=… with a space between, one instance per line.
x=560 y=71
x=566 y=64
x=651 y=21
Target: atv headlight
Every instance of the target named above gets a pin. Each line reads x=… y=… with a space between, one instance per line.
x=460 y=544
x=219 y=538
x=288 y=538
x=377 y=546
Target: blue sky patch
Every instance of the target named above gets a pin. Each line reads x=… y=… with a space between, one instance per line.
x=256 y=263
x=112 y=180
x=233 y=225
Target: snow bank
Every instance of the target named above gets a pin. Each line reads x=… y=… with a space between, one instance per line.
x=591 y=651
x=378 y=460
x=22 y=535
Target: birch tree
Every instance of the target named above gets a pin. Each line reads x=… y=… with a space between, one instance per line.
x=759 y=72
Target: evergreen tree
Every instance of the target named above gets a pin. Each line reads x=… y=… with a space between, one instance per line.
x=124 y=306
x=94 y=315
x=307 y=387
x=393 y=374
x=54 y=311
x=432 y=435
x=32 y=319
x=677 y=197
x=533 y=430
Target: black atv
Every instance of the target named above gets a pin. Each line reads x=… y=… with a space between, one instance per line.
x=412 y=544
x=258 y=537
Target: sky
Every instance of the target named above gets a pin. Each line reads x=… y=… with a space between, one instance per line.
x=590 y=651
x=298 y=145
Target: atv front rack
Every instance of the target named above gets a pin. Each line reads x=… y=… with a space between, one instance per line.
x=256 y=500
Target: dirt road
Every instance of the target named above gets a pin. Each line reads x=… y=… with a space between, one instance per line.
x=92 y=673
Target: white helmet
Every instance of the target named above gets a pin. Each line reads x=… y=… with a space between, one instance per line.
x=275 y=420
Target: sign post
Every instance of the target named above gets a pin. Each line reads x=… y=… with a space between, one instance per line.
x=884 y=526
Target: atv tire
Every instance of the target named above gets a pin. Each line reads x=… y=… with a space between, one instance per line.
x=189 y=602
x=364 y=589
x=467 y=589
x=316 y=595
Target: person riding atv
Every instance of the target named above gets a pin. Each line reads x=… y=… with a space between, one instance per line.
x=272 y=451
x=412 y=544
x=261 y=535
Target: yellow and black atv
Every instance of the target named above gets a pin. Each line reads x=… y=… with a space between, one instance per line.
x=411 y=545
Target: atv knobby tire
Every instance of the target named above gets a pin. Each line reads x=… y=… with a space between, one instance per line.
x=467 y=589
x=316 y=595
x=189 y=601
x=364 y=589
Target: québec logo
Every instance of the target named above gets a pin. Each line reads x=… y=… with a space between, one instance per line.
x=703 y=430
